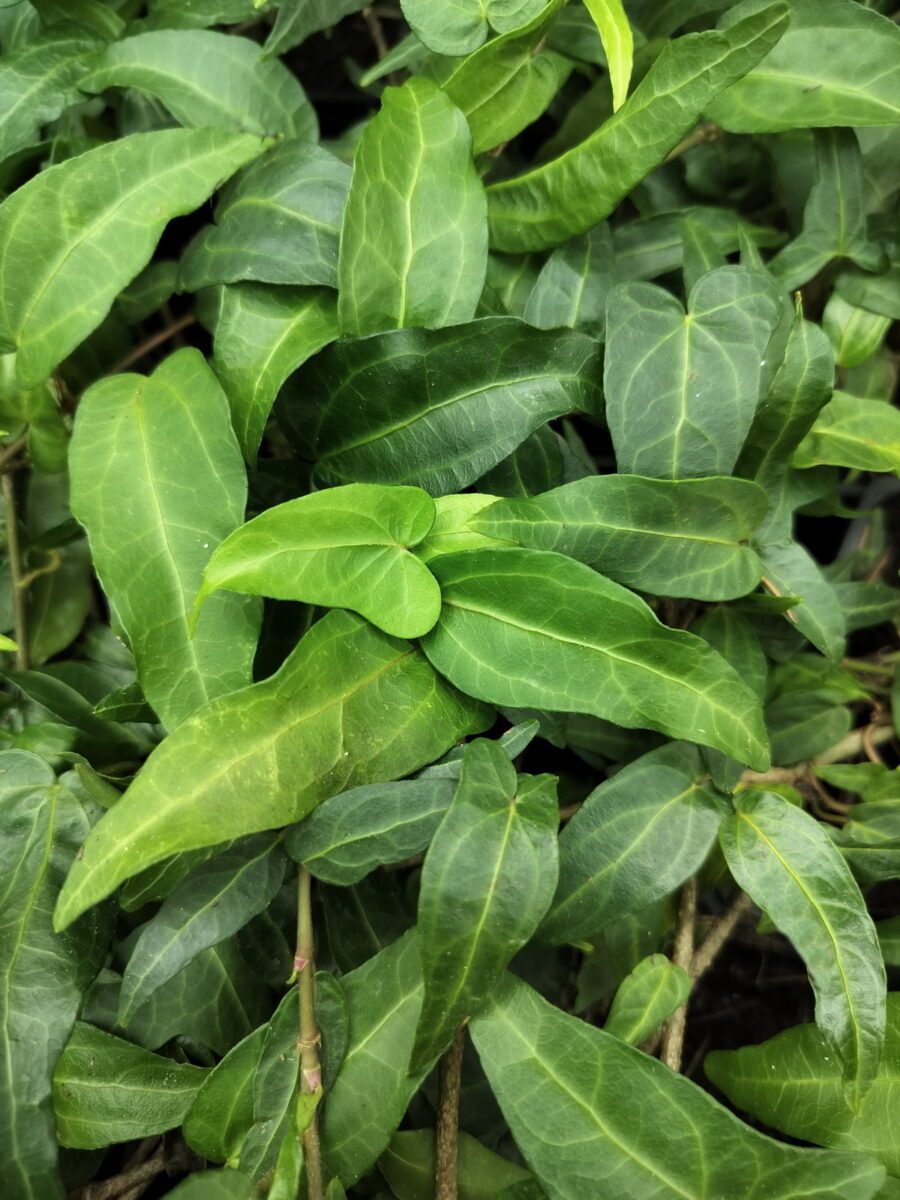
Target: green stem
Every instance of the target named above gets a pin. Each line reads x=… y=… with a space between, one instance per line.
x=310 y=1039
x=20 y=611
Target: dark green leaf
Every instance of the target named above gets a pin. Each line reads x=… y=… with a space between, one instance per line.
x=573 y=284
x=791 y=571
x=408 y=1166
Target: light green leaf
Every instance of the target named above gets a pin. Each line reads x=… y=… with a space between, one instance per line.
x=672 y=537
x=786 y=862
x=577 y=1101
x=158 y=482
x=793 y=1083
x=635 y=840
x=106 y=1090
x=646 y=998
x=42 y=974
x=682 y=388
x=837 y=64
x=408 y=1166
x=458 y=27
x=208 y=79
x=489 y=876
x=414 y=238
x=7 y=645
x=618 y=44
x=222 y=1111
x=791 y=571
x=529 y=628
x=451 y=530
x=278 y=223
x=580 y=188
x=572 y=286
x=214 y=1185
x=346 y=547
x=856 y=433
x=74 y=235
x=262 y=335
x=272 y=751
x=441 y=407
x=855 y=333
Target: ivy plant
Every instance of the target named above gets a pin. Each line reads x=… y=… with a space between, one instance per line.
x=448 y=623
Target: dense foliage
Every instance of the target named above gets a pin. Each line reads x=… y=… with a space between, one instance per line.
x=448 y=471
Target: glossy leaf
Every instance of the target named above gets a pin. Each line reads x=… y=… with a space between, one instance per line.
x=319 y=722
x=344 y=547
x=787 y=863
x=646 y=998
x=488 y=879
x=618 y=44
x=530 y=628
x=672 y=537
x=441 y=407
x=856 y=433
x=166 y=444
x=414 y=238
x=76 y=234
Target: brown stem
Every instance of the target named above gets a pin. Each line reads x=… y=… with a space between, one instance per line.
x=707 y=132
x=20 y=610
x=448 y=1120
x=11 y=452
x=718 y=935
x=375 y=31
x=848 y=747
x=106 y=1189
x=158 y=339
x=310 y=1039
x=682 y=955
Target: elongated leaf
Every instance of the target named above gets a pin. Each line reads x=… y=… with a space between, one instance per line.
x=441 y=407
x=279 y=223
x=851 y=432
x=837 y=64
x=793 y=1083
x=461 y=26
x=791 y=571
x=408 y=1166
x=295 y=22
x=618 y=44
x=43 y=974
x=273 y=1090
x=573 y=284
x=345 y=547
x=787 y=863
x=635 y=839
x=216 y=900
x=646 y=998
x=665 y=370
x=222 y=1110
x=576 y=1100
x=488 y=878
x=166 y=444
x=318 y=724
x=530 y=628
x=76 y=234
x=580 y=188
x=673 y=537
x=106 y=1090
x=207 y=79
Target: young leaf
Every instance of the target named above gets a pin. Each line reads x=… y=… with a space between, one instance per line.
x=441 y=407
x=106 y=1090
x=208 y=80
x=850 y=432
x=646 y=998
x=572 y=286
x=576 y=1100
x=636 y=838
x=318 y=724
x=451 y=530
x=529 y=628
x=414 y=238
x=671 y=537
x=166 y=444
x=488 y=878
x=618 y=44
x=665 y=405
x=346 y=547
x=574 y=192
x=74 y=235
x=787 y=863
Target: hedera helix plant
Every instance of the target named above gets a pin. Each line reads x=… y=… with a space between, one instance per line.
x=448 y=602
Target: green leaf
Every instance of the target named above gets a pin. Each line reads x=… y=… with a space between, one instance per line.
x=671 y=537
x=295 y=22
x=618 y=44
x=577 y=1101
x=488 y=878
x=106 y=1090
x=278 y=223
x=414 y=238
x=74 y=235
x=214 y=901
x=346 y=547
x=166 y=444
x=837 y=64
x=214 y=1185
x=667 y=411
x=408 y=1166
x=801 y=726
x=93 y=15
x=850 y=432
x=855 y=333
x=451 y=530
x=646 y=998
x=222 y=1110
x=207 y=79
x=572 y=286
x=458 y=27
x=384 y=997
x=635 y=839
x=442 y=406
x=736 y=640
x=262 y=335
x=786 y=862
x=865 y=604
x=529 y=628
x=791 y=571
x=318 y=722
x=43 y=974
x=274 y=1089
x=580 y=188
x=793 y=1083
